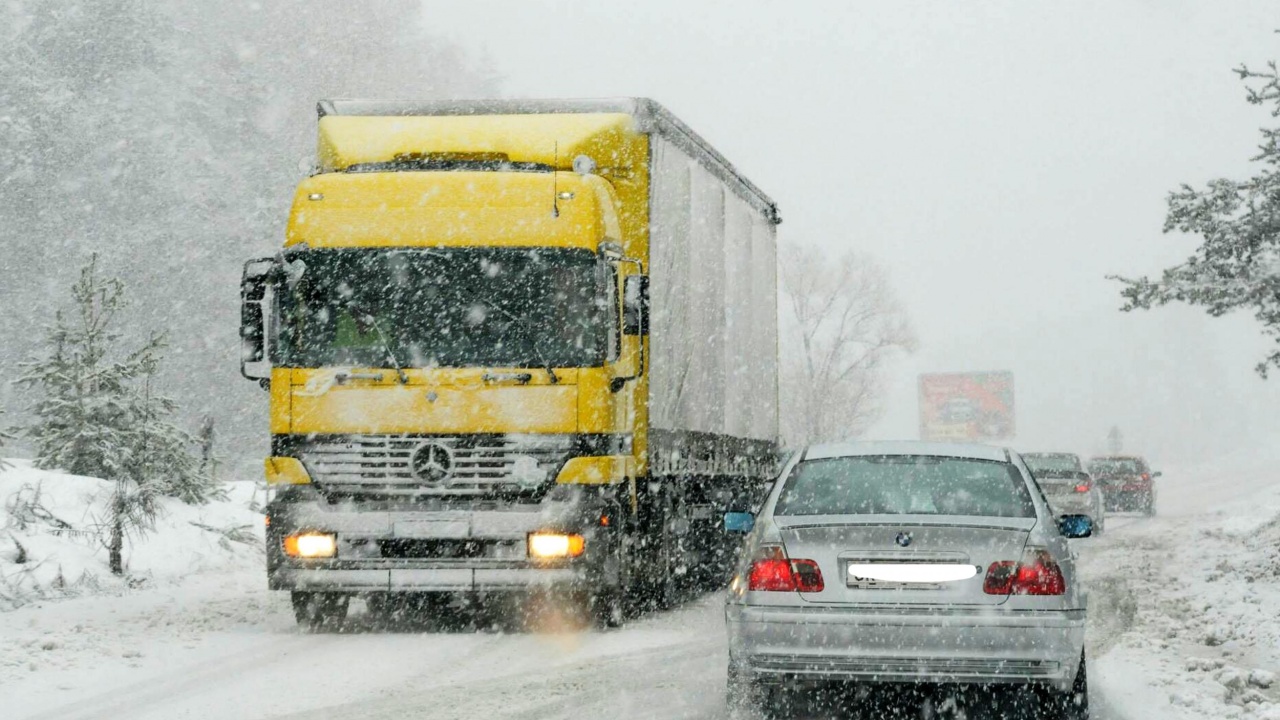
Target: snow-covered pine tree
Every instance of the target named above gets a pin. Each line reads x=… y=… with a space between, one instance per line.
x=162 y=454
x=1238 y=263
x=98 y=414
x=83 y=417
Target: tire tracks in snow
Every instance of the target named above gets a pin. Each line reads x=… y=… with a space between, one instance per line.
x=649 y=683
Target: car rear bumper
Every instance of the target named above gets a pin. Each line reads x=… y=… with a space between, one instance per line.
x=981 y=645
x=1129 y=498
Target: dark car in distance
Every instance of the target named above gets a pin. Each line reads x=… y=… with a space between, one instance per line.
x=1128 y=482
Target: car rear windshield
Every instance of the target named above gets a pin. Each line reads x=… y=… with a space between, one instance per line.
x=1052 y=463
x=905 y=485
x=1115 y=466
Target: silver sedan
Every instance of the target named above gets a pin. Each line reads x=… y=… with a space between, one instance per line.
x=1070 y=488
x=908 y=563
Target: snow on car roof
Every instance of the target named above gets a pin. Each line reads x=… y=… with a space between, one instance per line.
x=969 y=451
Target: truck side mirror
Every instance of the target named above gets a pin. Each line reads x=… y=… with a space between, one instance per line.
x=257 y=276
x=635 y=305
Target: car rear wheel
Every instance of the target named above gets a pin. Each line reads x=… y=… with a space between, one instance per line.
x=317 y=611
x=1149 y=505
x=1073 y=704
x=748 y=697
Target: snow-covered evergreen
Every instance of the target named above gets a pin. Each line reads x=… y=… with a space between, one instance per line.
x=1237 y=266
x=97 y=413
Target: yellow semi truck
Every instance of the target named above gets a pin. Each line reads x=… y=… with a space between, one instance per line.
x=513 y=347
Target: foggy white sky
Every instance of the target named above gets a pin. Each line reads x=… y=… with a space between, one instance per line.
x=998 y=158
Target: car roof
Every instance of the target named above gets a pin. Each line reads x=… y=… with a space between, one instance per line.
x=1049 y=454
x=1116 y=457
x=968 y=451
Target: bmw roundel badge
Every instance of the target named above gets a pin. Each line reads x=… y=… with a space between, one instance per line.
x=903 y=539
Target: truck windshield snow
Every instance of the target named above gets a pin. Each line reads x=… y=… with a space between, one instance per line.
x=453 y=307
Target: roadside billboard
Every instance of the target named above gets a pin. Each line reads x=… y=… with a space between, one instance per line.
x=966 y=407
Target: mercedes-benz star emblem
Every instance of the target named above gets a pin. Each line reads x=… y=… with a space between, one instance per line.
x=903 y=539
x=432 y=463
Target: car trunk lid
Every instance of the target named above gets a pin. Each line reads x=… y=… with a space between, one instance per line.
x=894 y=560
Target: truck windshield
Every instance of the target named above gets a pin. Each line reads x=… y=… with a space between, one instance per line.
x=451 y=307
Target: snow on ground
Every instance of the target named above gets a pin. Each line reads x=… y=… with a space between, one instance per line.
x=1185 y=607
x=52 y=530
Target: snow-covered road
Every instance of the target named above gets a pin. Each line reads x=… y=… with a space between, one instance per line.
x=1179 y=614
x=221 y=647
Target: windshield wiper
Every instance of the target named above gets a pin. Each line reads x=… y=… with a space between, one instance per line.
x=386 y=347
x=537 y=347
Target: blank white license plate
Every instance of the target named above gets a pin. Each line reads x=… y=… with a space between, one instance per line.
x=906 y=576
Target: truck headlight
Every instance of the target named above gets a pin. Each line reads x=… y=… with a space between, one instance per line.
x=311 y=545
x=555 y=545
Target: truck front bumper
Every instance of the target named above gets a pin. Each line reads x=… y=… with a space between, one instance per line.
x=408 y=550
x=421 y=577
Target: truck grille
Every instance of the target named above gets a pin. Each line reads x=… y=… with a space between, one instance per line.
x=434 y=465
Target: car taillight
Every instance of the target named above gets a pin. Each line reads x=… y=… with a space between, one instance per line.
x=773 y=571
x=1037 y=574
x=1146 y=477
x=1083 y=487
x=808 y=576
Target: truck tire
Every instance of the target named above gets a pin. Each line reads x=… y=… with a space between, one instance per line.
x=317 y=611
x=608 y=608
x=608 y=601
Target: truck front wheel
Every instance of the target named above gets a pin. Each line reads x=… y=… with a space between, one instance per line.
x=316 y=611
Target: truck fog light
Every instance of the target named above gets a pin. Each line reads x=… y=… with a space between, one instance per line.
x=555 y=545
x=311 y=545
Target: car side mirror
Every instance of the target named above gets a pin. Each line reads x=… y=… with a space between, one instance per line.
x=739 y=522
x=1075 y=526
x=635 y=305
x=1156 y=474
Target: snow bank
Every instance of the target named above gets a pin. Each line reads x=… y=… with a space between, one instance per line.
x=51 y=537
x=1201 y=638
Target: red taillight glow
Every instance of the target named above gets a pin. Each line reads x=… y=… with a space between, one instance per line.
x=771 y=576
x=1082 y=487
x=776 y=573
x=1037 y=574
x=1146 y=477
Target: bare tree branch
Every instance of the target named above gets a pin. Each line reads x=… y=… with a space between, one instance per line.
x=841 y=322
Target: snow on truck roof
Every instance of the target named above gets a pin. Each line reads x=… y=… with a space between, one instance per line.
x=968 y=451
x=649 y=117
